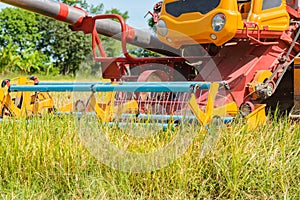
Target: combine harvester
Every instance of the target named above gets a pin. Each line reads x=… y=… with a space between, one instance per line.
x=221 y=59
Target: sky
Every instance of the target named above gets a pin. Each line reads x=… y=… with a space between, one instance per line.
x=136 y=9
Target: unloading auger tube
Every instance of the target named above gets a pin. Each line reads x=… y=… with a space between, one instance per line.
x=75 y=17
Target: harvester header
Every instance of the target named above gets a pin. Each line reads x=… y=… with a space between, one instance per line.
x=242 y=52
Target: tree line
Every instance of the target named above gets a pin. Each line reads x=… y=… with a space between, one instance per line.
x=31 y=43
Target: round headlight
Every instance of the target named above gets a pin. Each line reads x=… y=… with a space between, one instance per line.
x=161 y=28
x=218 y=22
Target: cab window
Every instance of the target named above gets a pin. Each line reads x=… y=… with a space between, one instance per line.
x=180 y=7
x=267 y=4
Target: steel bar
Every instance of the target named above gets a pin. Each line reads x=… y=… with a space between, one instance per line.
x=151 y=117
x=50 y=88
x=141 y=88
x=100 y=88
x=144 y=125
x=201 y=85
x=73 y=83
x=108 y=87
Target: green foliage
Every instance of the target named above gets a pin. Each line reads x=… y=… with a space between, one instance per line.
x=20 y=26
x=118 y=12
x=151 y=24
x=31 y=43
x=19 y=38
x=81 y=3
x=66 y=48
x=98 y=9
x=140 y=52
x=8 y=57
x=34 y=62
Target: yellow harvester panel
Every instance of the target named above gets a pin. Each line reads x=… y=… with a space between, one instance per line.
x=195 y=27
x=270 y=14
x=190 y=21
x=297 y=83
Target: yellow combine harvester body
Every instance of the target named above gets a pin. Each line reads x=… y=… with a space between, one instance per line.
x=246 y=51
x=188 y=22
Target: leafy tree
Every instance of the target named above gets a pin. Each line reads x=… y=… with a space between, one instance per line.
x=20 y=26
x=96 y=9
x=140 y=52
x=33 y=61
x=19 y=35
x=8 y=57
x=33 y=43
x=67 y=49
x=117 y=11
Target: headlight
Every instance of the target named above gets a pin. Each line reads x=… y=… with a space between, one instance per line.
x=218 y=22
x=161 y=28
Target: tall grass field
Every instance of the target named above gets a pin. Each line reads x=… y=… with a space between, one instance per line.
x=45 y=158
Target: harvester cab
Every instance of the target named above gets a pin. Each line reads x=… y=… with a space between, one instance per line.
x=219 y=21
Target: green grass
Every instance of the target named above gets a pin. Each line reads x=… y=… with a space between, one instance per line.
x=45 y=159
x=59 y=77
x=40 y=76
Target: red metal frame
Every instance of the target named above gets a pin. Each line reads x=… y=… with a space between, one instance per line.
x=126 y=35
x=112 y=67
x=257 y=39
x=237 y=64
